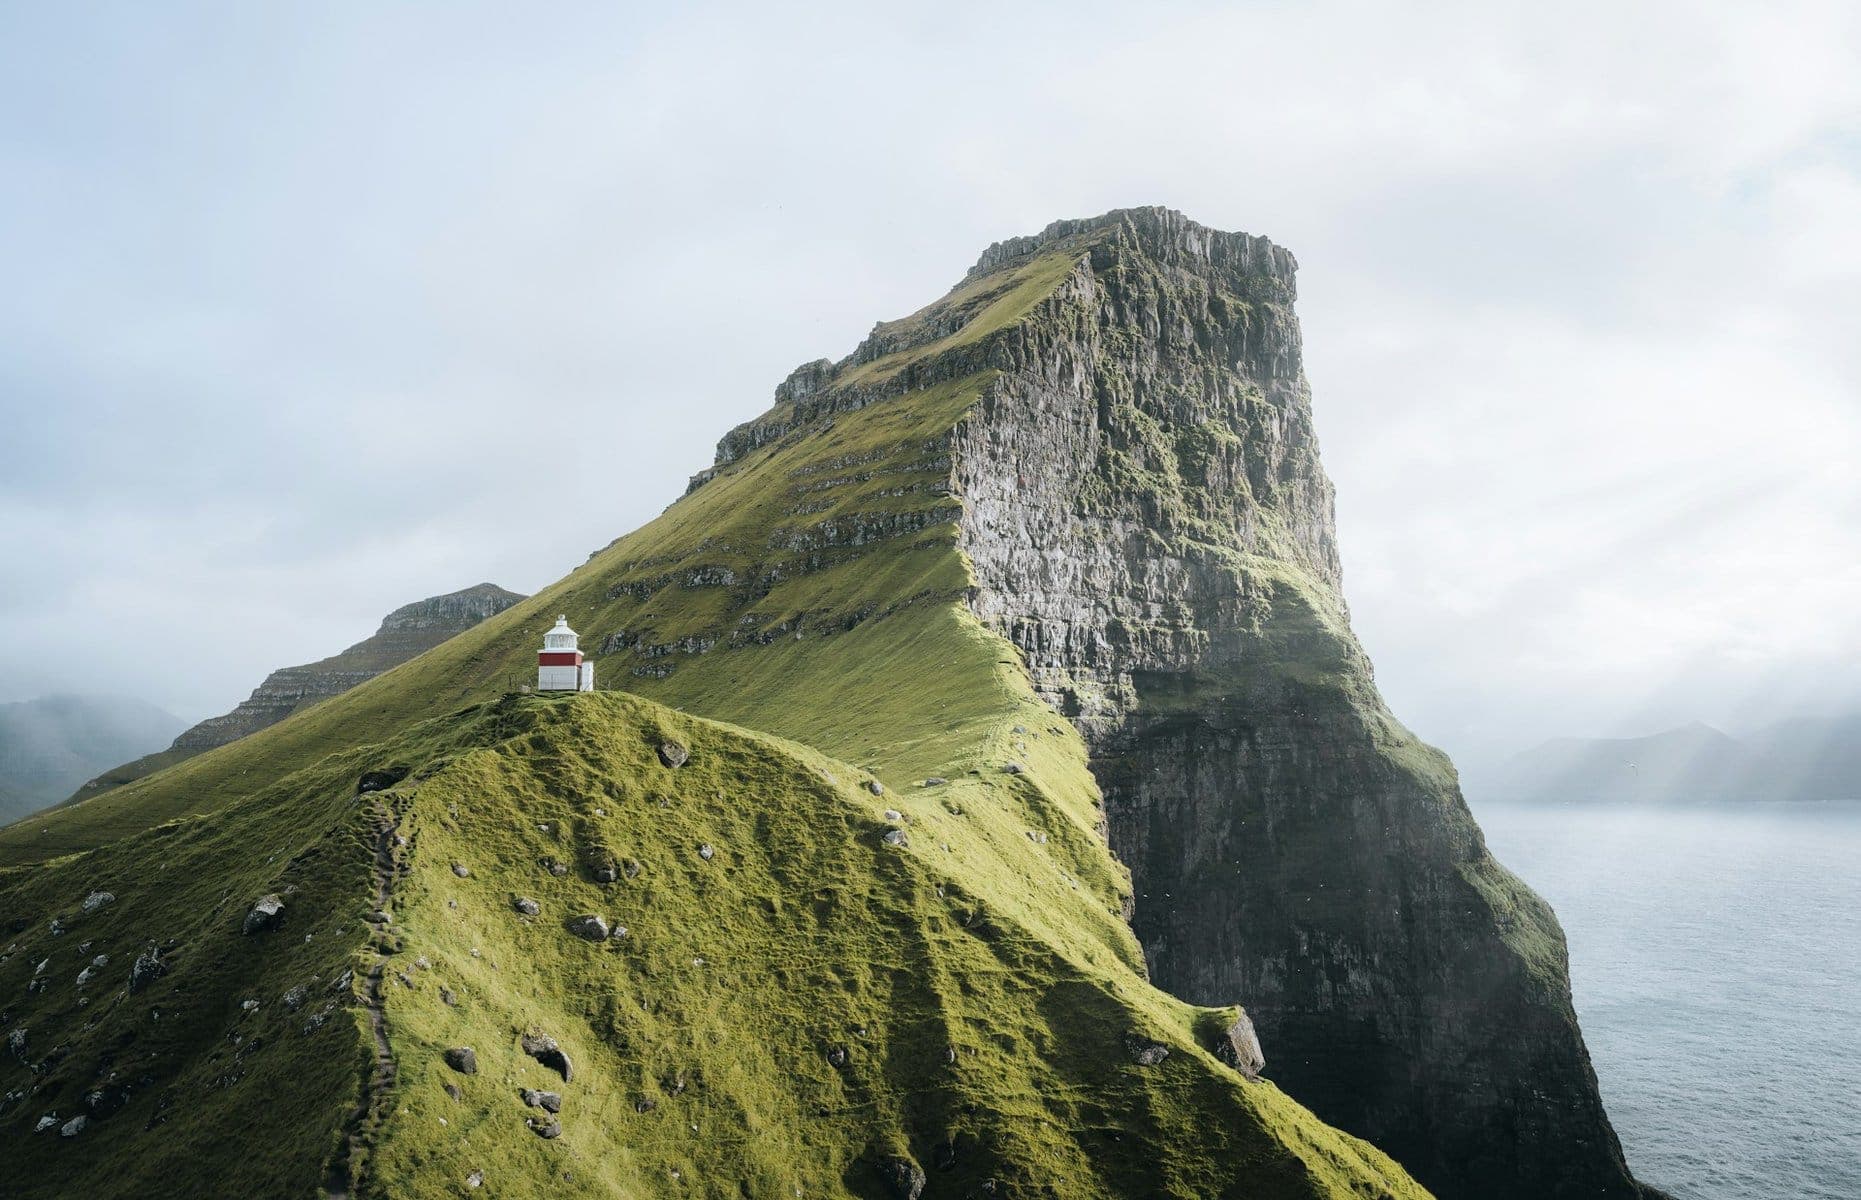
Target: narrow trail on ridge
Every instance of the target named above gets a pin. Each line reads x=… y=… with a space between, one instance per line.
x=347 y=1169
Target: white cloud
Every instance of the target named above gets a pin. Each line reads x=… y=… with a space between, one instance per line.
x=1578 y=285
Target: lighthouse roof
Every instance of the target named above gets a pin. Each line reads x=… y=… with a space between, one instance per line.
x=561 y=637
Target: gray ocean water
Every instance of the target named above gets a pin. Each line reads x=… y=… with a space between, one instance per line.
x=1716 y=964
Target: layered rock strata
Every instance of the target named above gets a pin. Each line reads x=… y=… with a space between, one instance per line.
x=1147 y=520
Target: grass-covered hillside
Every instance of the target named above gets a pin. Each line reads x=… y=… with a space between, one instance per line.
x=835 y=1000
x=805 y=987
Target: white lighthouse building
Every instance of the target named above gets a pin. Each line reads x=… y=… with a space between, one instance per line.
x=559 y=665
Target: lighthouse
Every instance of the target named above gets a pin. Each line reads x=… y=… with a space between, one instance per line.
x=559 y=665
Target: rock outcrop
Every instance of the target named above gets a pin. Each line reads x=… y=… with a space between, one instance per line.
x=406 y=632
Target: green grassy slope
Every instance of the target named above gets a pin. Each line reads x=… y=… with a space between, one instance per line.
x=700 y=1041
x=811 y=589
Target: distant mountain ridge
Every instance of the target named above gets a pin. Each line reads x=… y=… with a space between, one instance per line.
x=409 y=630
x=51 y=744
x=1803 y=761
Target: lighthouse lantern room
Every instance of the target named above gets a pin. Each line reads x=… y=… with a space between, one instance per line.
x=559 y=665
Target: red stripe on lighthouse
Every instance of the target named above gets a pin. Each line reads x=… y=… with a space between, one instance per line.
x=559 y=658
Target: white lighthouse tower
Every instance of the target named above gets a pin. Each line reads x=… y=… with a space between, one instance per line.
x=559 y=665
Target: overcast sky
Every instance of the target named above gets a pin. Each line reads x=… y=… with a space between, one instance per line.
x=312 y=310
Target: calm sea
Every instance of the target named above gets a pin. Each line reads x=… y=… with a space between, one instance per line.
x=1716 y=962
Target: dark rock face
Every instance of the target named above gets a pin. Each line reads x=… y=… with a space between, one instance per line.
x=147 y=968
x=1144 y=1052
x=589 y=927
x=1149 y=523
x=265 y=914
x=462 y=1059
x=380 y=780
x=903 y=1178
x=544 y=1049
x=1239 y=1046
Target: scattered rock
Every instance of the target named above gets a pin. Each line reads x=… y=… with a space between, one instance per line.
x=461 y=870
x=341 y=982
x=1239 y=1046
x=74 y=1126
x=553 y=867
x=896 y=837
x=1144 y=1052
x=706 y=852
x=875 y=787
x=454 y=1090
x=837 y=1056
x=631 y=868
x=48 y=1121
x=462 y=1059
x=892 y=814
x=475 y=1180
x=544 y=1049
x=673 y=754
x=619 y=932
x=527 y=906
x=548 y=1101
x=107 y=1101
x=935 y=781
x=589 y=927
x=1037 y=837
x=97 y=900
x=903 y=1178
x=319 y=1019
x=16 y=1042
x=645 y=1104
x=546 y=1128
x=294 y=999
x=1013 y=768
x=265 y=914
x=147 y=968
x=447 y=998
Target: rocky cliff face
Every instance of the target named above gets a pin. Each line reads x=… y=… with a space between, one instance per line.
x=1149 y=523
x=1146 y=518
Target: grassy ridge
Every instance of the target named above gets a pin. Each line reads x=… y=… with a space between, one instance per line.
x=701 y=1041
